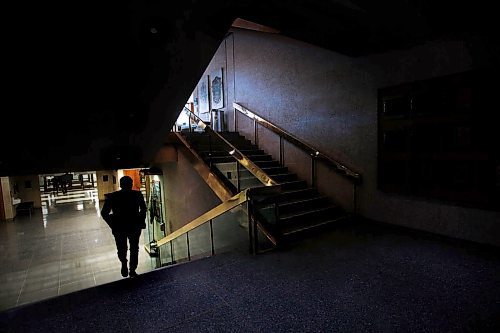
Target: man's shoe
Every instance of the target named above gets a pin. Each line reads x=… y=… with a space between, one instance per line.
x=133 y=274
x=124 y=269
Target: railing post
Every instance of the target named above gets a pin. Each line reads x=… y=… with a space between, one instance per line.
x=209 y=150
x=313 y=170
x=187 y=241
x=212 y=237
x=256 y=129
x=354 y=199
x=238 y=186
x=276 y=212
x=189 y=123
x=282 y=152
x=250 y=228
x=172 y=251
x=235 y=121
x=255 y=236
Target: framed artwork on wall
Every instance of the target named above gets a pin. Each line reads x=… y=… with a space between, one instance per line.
x=203 y=96
x=217 y=89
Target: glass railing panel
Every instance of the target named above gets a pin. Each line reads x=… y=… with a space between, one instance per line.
x=230 y=230
x=226 y=232
x=200 y=241
x=267 y=213
x=264 y=243
x=180 y=248
x=238 y=176
x=265 y=203
x=165 y=254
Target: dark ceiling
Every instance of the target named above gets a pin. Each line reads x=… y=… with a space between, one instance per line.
x=98 y=84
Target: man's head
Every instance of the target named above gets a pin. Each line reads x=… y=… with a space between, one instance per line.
x=126 y=183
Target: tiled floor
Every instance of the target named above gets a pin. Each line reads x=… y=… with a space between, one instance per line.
x=67 y=249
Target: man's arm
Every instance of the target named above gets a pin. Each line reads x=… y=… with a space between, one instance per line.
x=106 y=209
x=142 y=209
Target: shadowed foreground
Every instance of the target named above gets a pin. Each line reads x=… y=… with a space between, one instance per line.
x=361 y=277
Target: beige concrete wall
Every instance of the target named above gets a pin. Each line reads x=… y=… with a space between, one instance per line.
x=9 y=210
x=29 y=194
x=330 y=101
x=186 y=195
x=108 y=186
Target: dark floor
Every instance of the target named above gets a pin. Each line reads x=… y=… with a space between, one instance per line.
x=359 y=278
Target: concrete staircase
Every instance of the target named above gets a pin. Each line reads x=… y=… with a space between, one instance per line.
x=296 y=209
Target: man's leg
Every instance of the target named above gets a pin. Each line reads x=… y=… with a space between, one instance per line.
x=133 y=238
x=121 y=246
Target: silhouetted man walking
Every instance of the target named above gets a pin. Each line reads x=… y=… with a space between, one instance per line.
x=126 y=221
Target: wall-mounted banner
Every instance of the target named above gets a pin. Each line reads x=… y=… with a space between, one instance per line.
x=217 y=89
x=203 y=97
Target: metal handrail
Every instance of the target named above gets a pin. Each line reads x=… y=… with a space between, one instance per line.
x=260 y=174
x=313 y=152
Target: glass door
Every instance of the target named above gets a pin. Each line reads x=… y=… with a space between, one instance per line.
x=156 y=227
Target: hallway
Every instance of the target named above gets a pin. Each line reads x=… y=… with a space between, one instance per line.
x=65 y=249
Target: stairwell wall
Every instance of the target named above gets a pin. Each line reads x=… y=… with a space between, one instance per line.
x=187 y=196
x=330 y=101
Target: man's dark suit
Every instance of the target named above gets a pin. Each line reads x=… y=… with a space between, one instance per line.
x=126 y=221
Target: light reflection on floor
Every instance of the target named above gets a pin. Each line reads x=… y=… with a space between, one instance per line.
x=61 y=249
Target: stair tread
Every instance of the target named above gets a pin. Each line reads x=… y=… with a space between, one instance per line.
x=284 y=174
x=294 y=182
x=273 y=162
x=307 y=212
x=296 y=228
x=297 y=201
x=273 y=168
x=308 y=189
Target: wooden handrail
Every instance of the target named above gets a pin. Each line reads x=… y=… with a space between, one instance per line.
x=313 y=152
x=238 y=199
x=210 y=215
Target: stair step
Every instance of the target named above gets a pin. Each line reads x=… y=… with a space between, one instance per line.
x=260 y=158
x=267 y=164
x=285 y=177
x=222 y=153
x=302 y=227
x=310 y=215
x=249 y=152
x=231 y=135
x=275 y=170
x=228 y=159
x=214 y=146
x=202 y=137
x=299 y=194
x=293 y=185
x=299 y=205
